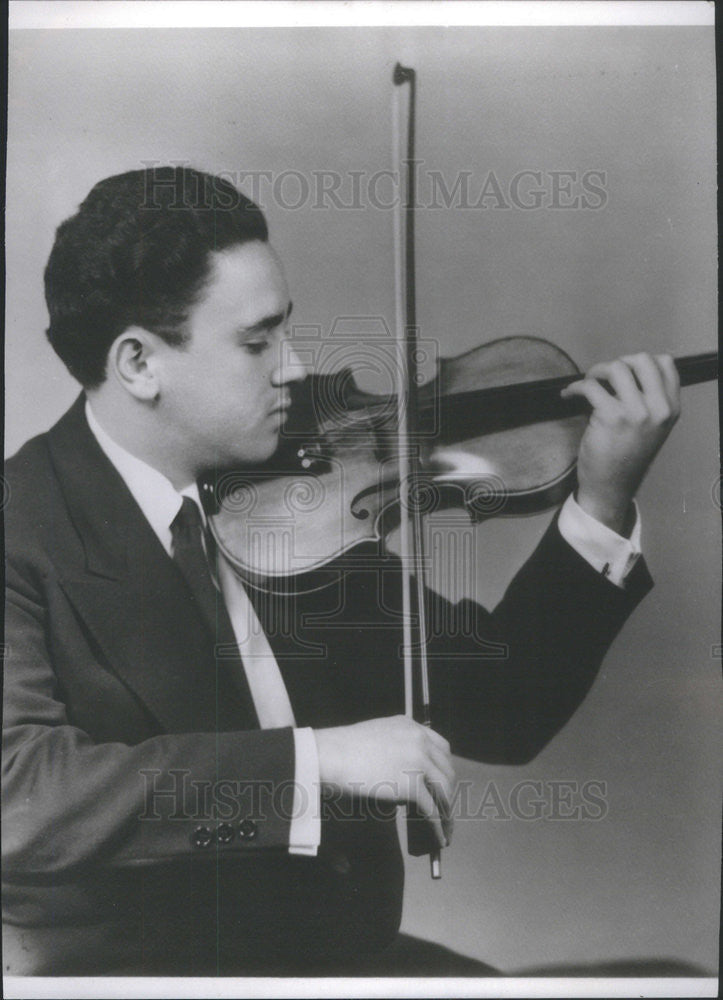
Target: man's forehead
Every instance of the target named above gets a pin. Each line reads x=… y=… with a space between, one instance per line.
x=247 y=278
x=250 y=262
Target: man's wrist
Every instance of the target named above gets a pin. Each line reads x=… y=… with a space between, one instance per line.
x=617 y=515
x=608 y=552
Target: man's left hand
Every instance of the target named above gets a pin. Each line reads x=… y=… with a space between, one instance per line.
x=632 y=415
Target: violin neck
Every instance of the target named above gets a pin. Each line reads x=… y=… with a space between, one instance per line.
x=502 y=407
x=696 y=368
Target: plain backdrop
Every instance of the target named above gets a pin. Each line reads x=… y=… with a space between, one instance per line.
x=636 y=105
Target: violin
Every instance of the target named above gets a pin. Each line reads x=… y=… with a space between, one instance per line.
x=493 y=438
x=489 y=433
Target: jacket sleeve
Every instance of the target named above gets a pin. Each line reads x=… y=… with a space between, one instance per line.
x=69 y=801
x=505 y=682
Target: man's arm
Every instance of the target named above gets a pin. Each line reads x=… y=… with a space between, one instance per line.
x=559 y=616
x=69 y=801
x=514 y=676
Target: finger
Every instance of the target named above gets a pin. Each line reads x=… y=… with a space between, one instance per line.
x=605 y=404
x=444 y=762
x=437 y=739
x=428 y=808
x=621 y=379
x=650 y=377
x=442 y=796
x=441 y=788
x=444 y=809
x=671 y=379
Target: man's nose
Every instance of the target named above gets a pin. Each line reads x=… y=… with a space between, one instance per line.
x=290 y=368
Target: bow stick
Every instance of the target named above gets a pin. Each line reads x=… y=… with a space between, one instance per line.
x=419 y=835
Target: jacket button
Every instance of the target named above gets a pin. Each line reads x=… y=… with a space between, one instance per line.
x=224 y=833
x=247 y=829
x=339 y=862
x=202 y=836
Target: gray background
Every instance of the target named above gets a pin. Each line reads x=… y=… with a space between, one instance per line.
x=639 y=273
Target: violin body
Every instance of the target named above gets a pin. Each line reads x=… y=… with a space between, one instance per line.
x=333 y=483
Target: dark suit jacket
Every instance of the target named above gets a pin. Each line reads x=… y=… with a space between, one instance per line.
x=113 y=694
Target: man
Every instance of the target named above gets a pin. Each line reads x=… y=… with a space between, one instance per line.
x=185 y=793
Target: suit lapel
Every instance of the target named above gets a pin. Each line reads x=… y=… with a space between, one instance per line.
x=131 y=595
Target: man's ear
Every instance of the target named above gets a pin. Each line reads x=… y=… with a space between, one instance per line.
x=133 y=359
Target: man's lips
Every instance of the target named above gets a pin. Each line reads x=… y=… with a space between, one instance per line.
x=282 y=407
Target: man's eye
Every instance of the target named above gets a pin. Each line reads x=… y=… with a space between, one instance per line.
x=256 y=346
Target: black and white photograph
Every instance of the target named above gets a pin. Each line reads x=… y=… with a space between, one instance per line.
x=362 y=500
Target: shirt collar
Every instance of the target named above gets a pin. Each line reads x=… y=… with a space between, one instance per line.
x=153 y=492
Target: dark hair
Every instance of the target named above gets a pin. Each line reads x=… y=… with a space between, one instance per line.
x=137 y=253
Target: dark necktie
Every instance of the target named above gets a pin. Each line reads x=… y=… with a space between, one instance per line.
x=190 y=557
x=187 y=532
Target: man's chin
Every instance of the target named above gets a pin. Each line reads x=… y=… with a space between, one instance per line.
x=241 y=454
x=251 y=458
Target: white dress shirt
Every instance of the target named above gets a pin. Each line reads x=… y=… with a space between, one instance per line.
x=607 y=552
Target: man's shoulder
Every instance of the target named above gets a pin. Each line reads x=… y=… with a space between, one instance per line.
x=35 y=456
x=26 y=475
x=30 y=495
x=31 y=488
x=32 y=454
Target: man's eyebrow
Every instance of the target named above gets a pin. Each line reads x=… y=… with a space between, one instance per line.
x=268 y=322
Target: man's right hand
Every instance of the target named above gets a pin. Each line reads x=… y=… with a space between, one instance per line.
x=391 y=760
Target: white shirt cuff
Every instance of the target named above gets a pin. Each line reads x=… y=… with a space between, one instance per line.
x=607 y=552
x=305 y=831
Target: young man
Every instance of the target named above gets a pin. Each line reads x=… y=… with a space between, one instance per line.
x=185 y=792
